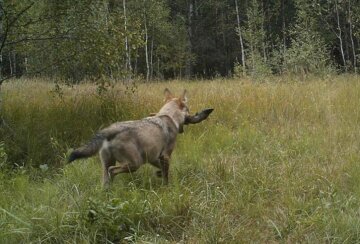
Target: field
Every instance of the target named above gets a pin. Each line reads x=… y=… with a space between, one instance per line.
x=276 y=162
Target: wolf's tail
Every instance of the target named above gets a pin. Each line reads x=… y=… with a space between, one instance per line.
x=92 y=147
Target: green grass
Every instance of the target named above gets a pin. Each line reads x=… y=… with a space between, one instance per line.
x=276 y=162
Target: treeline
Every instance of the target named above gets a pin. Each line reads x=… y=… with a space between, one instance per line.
x=162 y=39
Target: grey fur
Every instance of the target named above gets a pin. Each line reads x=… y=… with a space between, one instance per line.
x=134 y=143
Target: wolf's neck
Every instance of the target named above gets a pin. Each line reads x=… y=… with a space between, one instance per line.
x=176 y=123
x=172 y=111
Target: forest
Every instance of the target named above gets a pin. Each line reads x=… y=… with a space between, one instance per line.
x=162 y=39
x=277 y=160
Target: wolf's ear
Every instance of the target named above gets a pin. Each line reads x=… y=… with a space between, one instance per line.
x=168 y=94
x=183 y=97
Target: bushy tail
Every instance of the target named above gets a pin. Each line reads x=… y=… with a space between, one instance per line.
x=92 y=147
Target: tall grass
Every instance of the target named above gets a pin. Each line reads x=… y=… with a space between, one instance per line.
x=275 y=162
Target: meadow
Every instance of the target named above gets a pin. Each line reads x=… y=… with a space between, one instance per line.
x=276 y=162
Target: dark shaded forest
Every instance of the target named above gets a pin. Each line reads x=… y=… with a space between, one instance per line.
x=162 y=39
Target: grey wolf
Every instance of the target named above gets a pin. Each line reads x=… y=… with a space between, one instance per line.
x=134 y=143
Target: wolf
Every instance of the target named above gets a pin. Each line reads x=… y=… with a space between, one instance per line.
x=134 y=143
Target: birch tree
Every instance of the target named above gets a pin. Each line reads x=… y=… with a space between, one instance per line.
x=127 y=48
x=339 y=35
x=352 y=36
x=255 y=36
x=239 y=32
x=146 y=43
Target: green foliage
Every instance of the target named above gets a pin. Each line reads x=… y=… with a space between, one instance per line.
x=238 y=70
x=168 y=39
x=308 y=53
x=86 y=40
x=108 y=218
x=307 y=56
x=260 y=69
x=255 y=38
x=83 y=52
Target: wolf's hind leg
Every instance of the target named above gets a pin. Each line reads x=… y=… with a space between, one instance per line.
x=129 y=158
x=107 y=161
x=123 y=168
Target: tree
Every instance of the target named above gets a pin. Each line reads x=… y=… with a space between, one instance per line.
x=308 y=52
x=351 y=34
x=255 y=36
x=239 y=32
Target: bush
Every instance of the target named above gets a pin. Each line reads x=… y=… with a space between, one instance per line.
x=306 y=56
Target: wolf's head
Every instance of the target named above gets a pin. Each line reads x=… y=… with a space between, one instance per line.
x=176 y=108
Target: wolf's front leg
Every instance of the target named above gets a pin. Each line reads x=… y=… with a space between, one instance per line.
x=164 y=162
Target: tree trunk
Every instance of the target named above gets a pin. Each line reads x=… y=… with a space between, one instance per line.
x=283 y=32
x=26 y=65
x=151 y=58
x=10 y=64
x=146 y=45
x=127 y=49
x=263 y=32
x=1 y=60
x=1 y=40
x=339 y=35
x=1 y=64
x=0 y=103
x=252 y=57
x=240 y=39
x=158 y=67
x=283 y=24
x=188 y=70
x=14 y=62
x=136 y=63
x=351 y=37
x=1 y=116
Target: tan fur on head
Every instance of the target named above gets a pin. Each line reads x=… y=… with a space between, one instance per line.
x=168 y=95
x=181 y=101
x=183 y=96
